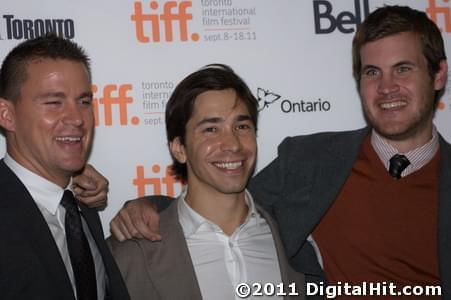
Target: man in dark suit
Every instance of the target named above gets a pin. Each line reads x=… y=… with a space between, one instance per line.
x=371 y=204
x=217 y=238
x=52 y=247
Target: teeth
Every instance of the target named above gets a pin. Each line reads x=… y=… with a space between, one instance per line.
x=229 y=165
x=391 y=105
x=68 y=139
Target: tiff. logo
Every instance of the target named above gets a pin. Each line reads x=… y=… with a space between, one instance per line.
x=113 y=96
x=435 y=12
x=156 y=181
x=148 y=25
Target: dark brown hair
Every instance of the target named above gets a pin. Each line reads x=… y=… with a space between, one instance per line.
x=14 y=67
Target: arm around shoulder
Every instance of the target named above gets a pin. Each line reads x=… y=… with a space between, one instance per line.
x=267 y=186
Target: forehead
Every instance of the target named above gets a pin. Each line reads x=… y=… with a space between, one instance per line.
x=51 y=73
x=223 y=103
x=405 y=46
x=41 y=66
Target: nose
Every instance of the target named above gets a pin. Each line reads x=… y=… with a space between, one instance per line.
x=72 y=114
x=387 y=85
x=230 y=141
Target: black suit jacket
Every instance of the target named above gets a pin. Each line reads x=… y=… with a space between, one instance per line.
x=304 y=180
x=31 y=266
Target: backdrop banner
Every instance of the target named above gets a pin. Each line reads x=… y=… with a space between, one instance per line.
x=295 y=56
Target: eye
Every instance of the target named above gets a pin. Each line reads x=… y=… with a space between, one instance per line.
x=403 y=69
x=53 y=102
x=210 y=129
x=243 y=127
x=370 y=72
x=86 y=101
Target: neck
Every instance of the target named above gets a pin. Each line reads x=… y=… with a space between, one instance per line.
x=228 y=211
x=62 y=180
x=405 y=144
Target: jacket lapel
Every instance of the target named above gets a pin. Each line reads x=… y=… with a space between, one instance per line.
x=287 y=273
x=333 y=167
x=115 y=288
x=173 y=253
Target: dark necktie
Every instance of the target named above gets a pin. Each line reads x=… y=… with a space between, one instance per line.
x=79 y=251
x=397 y=164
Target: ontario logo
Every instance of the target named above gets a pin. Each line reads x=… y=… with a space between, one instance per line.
x=267 y=98
x=168 y=21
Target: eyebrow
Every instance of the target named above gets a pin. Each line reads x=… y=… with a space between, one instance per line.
x=403 y=62
x=366 y=67
x=51 y=95
x=208 y=120
x=63 y=95
x=85 y=95
x=244 y=118
x=216 y=120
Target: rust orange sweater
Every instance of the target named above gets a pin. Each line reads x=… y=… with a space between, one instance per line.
x=381 y=229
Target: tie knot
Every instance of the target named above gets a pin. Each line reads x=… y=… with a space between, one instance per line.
x=68 y=202
x=397 y=164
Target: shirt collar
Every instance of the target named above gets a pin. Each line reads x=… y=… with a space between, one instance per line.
x=191 y=221
x=44 y=192
x=418 y=157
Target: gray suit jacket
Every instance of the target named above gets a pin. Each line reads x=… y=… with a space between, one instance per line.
x=304 y=180
x=164 y=270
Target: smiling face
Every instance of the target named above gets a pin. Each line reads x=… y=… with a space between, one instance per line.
x=50 y=127
x=220 y=144
x=396 y=89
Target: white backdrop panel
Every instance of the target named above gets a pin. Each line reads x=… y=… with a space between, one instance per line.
x=274 y=45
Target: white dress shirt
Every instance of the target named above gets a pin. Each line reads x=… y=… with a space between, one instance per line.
x=221 y=261
x=47 y=196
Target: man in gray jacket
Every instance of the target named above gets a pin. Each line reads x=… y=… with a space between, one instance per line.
x=219 y=244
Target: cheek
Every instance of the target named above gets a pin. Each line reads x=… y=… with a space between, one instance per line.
x=201 y=148
x=88 y=116
x=367 y=90
x=250 y=144
x=425 y=91
x=45 y=118
x=367 y=101
x=208 y=146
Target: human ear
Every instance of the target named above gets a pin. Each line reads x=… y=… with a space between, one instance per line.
x=178 y=150
x=441 y=76
x=7 y=116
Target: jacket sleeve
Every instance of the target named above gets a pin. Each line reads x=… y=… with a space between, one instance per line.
x=268 y=186
x=133 y=265
x=162 y=202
